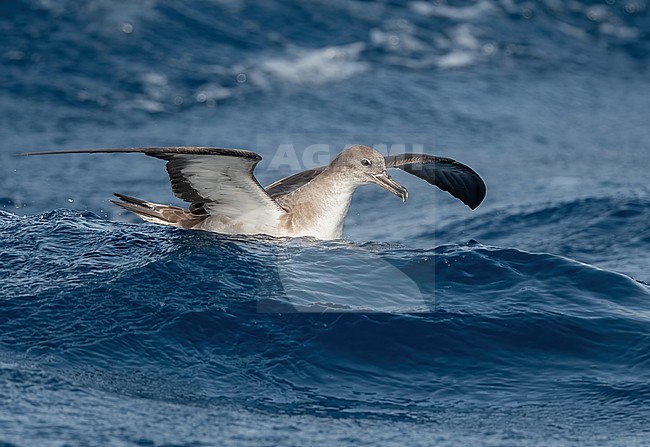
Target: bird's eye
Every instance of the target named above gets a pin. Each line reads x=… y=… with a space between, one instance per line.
x=365 y=162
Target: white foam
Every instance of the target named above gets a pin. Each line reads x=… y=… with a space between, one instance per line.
x=622 y=32
x=396 y=41
x=156 y=86
x=455 y=59
x=318 y=66
x=462 y=36
x=213 y=92
x=455 y=13
x=597 y=13
x=147 y=105
x=464 y=49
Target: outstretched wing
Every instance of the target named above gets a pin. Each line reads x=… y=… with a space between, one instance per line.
x=293 y=182
x=215 y=181
x=457 y=179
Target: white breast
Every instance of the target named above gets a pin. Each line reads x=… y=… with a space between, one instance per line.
x=329 y=224
x=322 y=218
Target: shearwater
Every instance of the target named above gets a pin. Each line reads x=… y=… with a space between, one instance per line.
x=225 y=196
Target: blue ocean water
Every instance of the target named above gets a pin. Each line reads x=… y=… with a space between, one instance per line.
x=524 y=322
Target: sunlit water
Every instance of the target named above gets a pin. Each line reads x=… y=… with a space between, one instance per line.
x=525 y=322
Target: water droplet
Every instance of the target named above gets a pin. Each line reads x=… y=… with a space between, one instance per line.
x=178 y=100
x=241 y=78
x=127 y=28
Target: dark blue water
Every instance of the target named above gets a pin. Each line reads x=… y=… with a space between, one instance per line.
x=525 y=322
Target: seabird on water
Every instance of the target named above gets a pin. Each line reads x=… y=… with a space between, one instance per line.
x=225 y=196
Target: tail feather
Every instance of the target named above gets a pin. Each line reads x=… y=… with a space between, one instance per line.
x=157 y=213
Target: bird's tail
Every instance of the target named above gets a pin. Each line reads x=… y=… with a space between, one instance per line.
x=160 y=214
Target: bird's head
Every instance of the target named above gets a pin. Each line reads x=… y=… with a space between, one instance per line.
x=362 y=165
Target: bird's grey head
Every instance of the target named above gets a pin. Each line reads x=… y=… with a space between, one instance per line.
x=362 y=164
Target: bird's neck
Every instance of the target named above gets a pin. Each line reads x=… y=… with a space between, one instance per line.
x=319 y=208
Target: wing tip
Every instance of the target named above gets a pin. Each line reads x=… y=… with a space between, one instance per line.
x=477 y=199
x=454 y=177
x=26 y=154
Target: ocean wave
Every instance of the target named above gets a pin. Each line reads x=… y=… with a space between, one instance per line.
x=607 y=231
x=224 y=62
x=173 y=317
x=59 y=251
